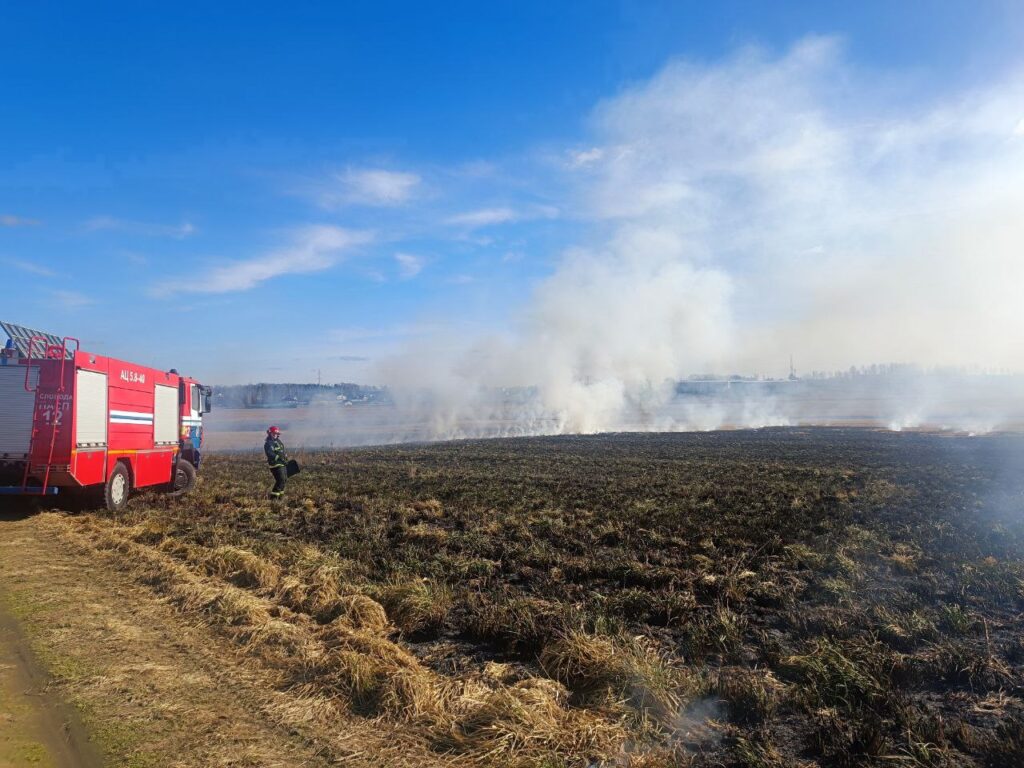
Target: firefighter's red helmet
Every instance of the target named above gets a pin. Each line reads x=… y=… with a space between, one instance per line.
x=273 y=431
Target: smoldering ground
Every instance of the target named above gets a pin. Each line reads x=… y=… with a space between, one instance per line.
x=777 y=597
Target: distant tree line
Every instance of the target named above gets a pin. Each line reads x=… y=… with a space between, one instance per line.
x=904 y=370
x=894 y=370
x=284 y=395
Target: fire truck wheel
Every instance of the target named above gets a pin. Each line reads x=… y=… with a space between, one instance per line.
x=184 y=478
x=117 y=489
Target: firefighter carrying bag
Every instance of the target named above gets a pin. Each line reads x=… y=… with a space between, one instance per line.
x=293 y=468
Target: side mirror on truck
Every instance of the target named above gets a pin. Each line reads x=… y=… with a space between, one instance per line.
x=207 y=400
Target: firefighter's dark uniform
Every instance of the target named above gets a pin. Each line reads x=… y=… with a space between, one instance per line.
x=277 y=459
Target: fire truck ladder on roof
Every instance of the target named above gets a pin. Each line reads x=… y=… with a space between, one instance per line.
x=50 y=350
x=21 y=337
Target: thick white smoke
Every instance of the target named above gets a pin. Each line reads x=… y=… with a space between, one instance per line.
x=612 y=328
x=855 y=229
x=744 y=211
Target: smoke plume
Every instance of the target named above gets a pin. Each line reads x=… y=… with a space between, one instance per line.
x=744 y=211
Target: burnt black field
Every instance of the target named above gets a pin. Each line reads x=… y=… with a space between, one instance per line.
x=774 y=597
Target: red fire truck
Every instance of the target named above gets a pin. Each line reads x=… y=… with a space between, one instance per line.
x=72 y=421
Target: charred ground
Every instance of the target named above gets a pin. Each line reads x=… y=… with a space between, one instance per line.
x=761 y=598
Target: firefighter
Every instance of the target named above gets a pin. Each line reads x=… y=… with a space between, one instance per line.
x=278 y=461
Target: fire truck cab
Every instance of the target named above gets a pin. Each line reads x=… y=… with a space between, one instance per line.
x=75 y=421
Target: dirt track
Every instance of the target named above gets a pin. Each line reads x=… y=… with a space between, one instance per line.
x=36 y=727
x=149 y=688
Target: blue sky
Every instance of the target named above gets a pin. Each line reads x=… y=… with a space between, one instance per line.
x=257 y=191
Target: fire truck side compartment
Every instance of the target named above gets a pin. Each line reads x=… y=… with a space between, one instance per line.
x=91 y=402
x=16 y=406
x=165 y=415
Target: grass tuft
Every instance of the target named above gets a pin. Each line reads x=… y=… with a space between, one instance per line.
x=416 y=607
x=594 y=667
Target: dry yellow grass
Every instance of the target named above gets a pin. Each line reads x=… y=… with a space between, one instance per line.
x=243 y=567
x=246 y=651
x=361 y=612
x=623 y=668
x=530 y=719
x=351 y=659
x=414 y=606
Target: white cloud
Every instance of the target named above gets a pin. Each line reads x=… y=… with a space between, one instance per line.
x=71 y=299
x=134 y=257
x=409 y=265
x=30 y=267
x=487 y=217
x=478 y=169
x=584 y=157
x=8 y=220
x=313 y=249
x=543 y=212
x=113 y=224
x=461 y=279
x=370 y=186
x=359 y=333
x=483 y=217
x=1019 y=130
